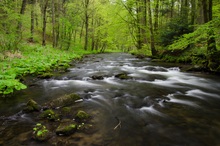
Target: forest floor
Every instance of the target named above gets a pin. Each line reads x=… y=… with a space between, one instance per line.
x=33 y=60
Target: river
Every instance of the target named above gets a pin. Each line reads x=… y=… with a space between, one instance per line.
x=157 y=105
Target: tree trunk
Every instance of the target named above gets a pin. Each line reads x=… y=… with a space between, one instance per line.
x=54 y=24
x=32 y=20
x=207 y=6
x=156 y=16
x=141 y=23
x=86 y=24
x=23 y=7
x=152 y=45
x=193 y=12
x=172 y=6
x=44 y=23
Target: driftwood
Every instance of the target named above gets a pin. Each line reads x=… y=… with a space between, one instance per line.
x=119 y=123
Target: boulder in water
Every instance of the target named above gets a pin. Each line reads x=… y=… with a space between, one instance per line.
x=66 y=127
x=123 y=76
x=32 y=106
x=97 y=77
x=82 y=115
x=40 y=132
x=50 y=115
x=64 y=100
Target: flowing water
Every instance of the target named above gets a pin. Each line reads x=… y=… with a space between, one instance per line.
x=157 y=105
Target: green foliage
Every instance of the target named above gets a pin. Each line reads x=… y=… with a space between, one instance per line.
x=198 y=38
x=145 y=51
x=35 y=60
x=173 y=30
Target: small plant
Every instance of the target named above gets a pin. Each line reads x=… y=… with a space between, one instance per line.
x=40 y=132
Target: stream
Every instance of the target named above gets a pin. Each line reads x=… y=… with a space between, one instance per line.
x=158 y=105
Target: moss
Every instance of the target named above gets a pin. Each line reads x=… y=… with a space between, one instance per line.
x=40 y=132
x=45 y=75
x=82 y=115
x=64 y=100
x=122 y=76
x=50 y=115
x=32 y=106
x=66 y=109
x=66 y=129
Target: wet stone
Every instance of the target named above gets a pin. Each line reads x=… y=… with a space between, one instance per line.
x=64 y=100
x=82 y=115
x=32 y=106
x=50 y=115
x=123 y=76
x=97 y=77
x=66 y=127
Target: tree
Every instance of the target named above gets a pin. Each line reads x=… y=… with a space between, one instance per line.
x=44 y=22
x=152 y=45
x=86 y=6
x=32 y=19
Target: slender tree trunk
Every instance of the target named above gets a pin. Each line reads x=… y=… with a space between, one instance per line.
x=193 y=12
x=23 y=7
x=152 y=45
x=207 y=6
x=44 y=23
x=156 y=16
x=172 y=6
x=93 y=33
x=54 y=24
x=141 y=23
x=86 y=24
x=81 y=31
x=32 y=20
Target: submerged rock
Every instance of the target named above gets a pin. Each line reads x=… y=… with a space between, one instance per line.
x=97 y=77
x=40 y=132
x=66 y=127
x=123 y=76
x=64 y=100
x=81 y=115
x=50 y=115
x=32 y=106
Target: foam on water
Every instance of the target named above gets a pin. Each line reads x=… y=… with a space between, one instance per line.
x=151 y=110
x=66 y=83
x=180 y=101
x=201 y=94
x=111 y=80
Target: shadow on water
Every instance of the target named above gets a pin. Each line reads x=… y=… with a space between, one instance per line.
x=156 y=105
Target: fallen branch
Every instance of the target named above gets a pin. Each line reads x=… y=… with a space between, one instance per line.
x=119 y=123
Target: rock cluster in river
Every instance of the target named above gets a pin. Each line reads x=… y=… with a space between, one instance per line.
x=58 y=117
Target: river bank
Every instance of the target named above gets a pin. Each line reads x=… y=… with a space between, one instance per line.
x=33 y=60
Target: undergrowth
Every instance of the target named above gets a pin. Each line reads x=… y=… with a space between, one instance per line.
x=33 y=60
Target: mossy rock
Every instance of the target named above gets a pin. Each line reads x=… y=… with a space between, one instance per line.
x=64 y=100
x=46 y=75
x=32 y=106
x=50 y=115
x=81 y=115
x=123 y=76
x=66 y=110
x=40 y=132
x=66 y=127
